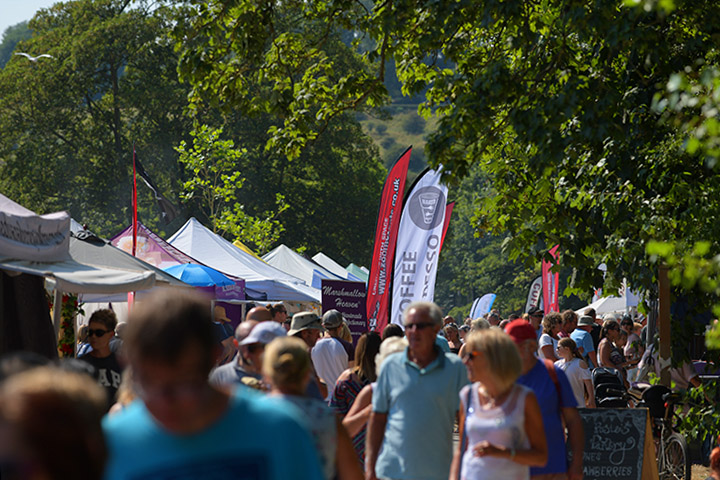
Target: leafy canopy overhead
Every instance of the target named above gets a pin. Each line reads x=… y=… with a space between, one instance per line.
x=553 y=98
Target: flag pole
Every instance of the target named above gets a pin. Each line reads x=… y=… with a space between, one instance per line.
x=131 y=295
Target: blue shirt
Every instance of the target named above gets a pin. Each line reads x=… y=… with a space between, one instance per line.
x=442 y=342
x=421 y=405
x=584 y=340
x=256 y=436
x=539 y=381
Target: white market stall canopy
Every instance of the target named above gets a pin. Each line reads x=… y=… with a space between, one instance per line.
x=610 y=305
x=89 y=249
x=200 y=243
x=332 y=266
x=40 y=245
x=361 y=272
x=24 y=235
x=73 y=277
x=295 y=264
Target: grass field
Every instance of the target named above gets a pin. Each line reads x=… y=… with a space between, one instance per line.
x=393 y=135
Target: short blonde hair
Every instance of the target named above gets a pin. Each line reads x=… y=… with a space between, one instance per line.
x=389 y=346
x=500 y=352
x=286 y=361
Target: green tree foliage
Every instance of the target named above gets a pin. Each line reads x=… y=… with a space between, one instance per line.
x=474 y=263
x=331 y=190
x=11 y=36
x=280 y=58
x=553 y=99
x=68 y=123
x=214 y=182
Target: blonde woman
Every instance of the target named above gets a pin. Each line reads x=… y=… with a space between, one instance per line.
x=286 y=366
x=501 y=427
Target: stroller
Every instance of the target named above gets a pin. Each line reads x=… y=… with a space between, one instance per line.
x=609 y=388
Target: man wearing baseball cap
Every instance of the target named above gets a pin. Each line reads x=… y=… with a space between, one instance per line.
x=332 y=355
x=557 y=404
x=307 y=326
x=246 y=368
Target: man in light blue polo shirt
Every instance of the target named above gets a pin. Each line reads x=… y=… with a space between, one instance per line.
x=583 y=340
x=415 y=402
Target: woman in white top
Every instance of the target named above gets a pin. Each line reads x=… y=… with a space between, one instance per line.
x=548 y=341
x=576 y=371
x=501 y=427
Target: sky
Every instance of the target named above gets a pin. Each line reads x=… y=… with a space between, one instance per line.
x=15 y=11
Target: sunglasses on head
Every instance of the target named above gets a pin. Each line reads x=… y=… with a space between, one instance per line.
x=97 y=332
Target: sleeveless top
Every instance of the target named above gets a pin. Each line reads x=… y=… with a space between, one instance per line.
x=503 y=425
x=321 y=420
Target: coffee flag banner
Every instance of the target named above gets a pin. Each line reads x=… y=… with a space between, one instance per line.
x=418 y=243
x=533 y=299
x=550 y=282
x=378 y=294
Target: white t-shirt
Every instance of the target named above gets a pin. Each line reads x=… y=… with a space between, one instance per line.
x=330 y=360
x=576 y=374
x=546 y=339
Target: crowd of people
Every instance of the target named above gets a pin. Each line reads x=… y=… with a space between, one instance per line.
x=293 y=397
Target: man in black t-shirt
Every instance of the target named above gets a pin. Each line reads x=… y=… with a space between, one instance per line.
x=108 y=371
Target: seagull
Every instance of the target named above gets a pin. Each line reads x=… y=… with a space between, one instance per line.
x=34 y=59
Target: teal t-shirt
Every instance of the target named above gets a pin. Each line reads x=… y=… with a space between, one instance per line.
x=257 y=438
x=421 y=405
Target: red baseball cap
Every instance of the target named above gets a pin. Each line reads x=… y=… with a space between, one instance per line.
x=520 y=330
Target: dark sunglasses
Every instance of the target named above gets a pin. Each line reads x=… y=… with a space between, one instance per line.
x=98 y=333
x=470 y=355
x=255 y=347
x=419 y=326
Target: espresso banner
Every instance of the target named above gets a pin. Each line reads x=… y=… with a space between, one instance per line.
x=418 y=243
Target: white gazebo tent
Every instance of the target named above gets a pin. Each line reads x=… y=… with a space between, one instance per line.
x=334 y=267
x=287 y=260
x=202 y=244
x=39 y=245
x=604 y=305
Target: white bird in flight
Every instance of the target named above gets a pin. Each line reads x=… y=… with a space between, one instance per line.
x=34 y=59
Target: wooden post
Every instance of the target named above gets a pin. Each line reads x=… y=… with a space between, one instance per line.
x=664 y=324
x=57 y=312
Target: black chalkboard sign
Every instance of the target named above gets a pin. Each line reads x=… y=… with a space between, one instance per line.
x=618 y=444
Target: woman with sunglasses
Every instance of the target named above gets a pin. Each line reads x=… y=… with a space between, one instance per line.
x=501 y=427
